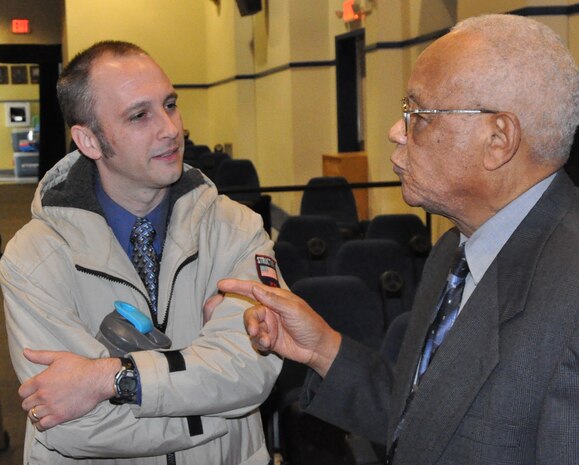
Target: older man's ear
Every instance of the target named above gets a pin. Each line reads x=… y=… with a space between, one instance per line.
x=504 y=140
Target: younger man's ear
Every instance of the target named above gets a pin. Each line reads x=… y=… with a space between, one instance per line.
x=504 y=141
x=86 y=141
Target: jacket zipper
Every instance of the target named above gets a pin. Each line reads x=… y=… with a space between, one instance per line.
x=163 y=326
x=185 y=262
x=114 y=279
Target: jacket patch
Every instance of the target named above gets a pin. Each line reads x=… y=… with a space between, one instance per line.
x=266 y=270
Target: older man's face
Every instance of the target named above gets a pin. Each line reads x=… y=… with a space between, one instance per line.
x=439 y=161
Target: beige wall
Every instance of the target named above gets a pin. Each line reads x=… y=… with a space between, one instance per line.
x=286 y=120
x=232 y=107
x=174 y=33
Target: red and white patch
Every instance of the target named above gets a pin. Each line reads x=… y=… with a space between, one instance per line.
x=266 y=270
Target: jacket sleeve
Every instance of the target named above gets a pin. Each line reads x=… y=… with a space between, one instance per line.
x=40 y=314
x=354 y=395
x=219 y=374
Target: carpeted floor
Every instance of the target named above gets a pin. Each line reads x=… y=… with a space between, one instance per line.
x=15 y=202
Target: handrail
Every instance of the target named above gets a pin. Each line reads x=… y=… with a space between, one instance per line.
x=297 y=188
x=305 y=187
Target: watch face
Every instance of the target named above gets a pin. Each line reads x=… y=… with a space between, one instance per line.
x=128 y=384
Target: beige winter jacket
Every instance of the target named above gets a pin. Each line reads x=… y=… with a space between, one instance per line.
x=61 y=274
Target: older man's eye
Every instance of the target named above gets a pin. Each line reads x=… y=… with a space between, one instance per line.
x=418 y=122
x=414 y=117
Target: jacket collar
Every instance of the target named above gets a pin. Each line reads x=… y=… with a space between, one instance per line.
x=66 y=201
x=77 y=188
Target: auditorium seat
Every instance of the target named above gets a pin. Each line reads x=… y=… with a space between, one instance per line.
x=192 y=154
x=347 y=304
x=209 y=163
x=406 y=229
x=386 y=269
x=335 y=200
x=317 y=239
x=238 y=174
x=232 y=174
x=292 y=264
x=349 y=307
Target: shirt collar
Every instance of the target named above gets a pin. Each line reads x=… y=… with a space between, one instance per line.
x=488 y=240
x=121 y=221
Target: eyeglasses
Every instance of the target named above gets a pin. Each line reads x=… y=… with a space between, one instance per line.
x=407 y=112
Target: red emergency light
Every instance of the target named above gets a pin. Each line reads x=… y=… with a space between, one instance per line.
x=20 y=26
x=348 y=12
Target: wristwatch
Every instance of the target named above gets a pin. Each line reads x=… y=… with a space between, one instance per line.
x=126 y=383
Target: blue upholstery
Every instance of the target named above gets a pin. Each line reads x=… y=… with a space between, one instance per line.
x=292 y=264
x=241 y=174
x=317 y=239
x=406 y=229
x=338 y=203
x=346 y=304
x=369 y=259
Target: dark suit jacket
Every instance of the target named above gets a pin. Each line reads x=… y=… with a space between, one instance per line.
x=504 y=386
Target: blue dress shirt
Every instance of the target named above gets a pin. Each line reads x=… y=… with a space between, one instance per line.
x=121 y=221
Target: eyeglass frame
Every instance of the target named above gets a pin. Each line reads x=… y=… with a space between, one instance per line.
x=407 y=113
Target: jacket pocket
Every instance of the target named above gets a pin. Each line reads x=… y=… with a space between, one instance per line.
x=484 y=431
x=480 y=441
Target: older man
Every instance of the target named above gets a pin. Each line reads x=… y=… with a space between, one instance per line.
x=488 y=372
x=93 y=216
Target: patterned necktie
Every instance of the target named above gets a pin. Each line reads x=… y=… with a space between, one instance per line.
x=145 y=258
x=448 y=307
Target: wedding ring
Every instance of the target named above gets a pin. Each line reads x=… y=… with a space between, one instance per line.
x=33 y=414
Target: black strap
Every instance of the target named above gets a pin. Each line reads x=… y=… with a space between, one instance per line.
x=195 y=425
x=175 y=360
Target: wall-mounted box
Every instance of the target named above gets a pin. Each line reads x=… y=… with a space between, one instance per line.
x=17 y=114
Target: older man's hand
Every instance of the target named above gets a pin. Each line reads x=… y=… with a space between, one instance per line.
x=284 y=323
